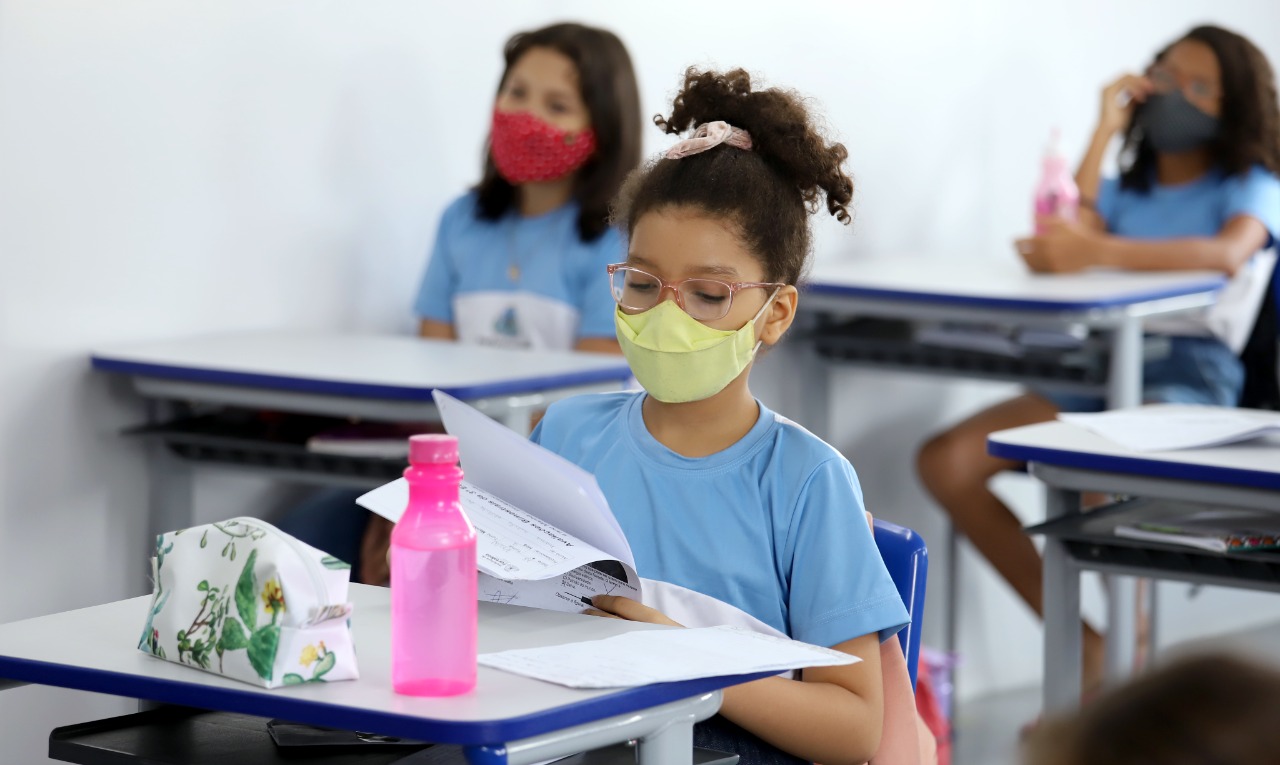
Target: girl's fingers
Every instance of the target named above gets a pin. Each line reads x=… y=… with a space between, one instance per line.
x=598 y=612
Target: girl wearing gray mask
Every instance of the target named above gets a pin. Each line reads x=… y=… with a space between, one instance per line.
x=1197 y=189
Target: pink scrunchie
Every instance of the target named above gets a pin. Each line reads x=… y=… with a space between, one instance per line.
x=708 y=136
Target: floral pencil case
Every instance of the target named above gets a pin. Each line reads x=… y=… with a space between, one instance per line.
x=243 y=599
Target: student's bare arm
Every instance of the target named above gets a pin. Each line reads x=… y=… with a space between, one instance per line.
x=1238 y=240
x=834 y=716
x=436 y=330
x=1066 y=246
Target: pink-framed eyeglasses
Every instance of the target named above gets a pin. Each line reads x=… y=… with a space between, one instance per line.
x=703 y=299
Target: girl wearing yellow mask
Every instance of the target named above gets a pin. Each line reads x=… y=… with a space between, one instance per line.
x=735 y=514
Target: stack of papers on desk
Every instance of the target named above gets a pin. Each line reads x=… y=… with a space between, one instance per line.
x=1171 y=427
x=663 y=656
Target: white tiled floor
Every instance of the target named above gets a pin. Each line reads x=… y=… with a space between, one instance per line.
x=987 y=728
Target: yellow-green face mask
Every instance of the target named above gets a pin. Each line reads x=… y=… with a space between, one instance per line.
x=678 y=358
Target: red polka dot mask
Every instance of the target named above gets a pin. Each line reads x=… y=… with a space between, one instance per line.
x=527 y=149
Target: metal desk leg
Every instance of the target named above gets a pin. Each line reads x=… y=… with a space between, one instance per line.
x=952 y=584
x=1122 y=633
x=1124 y=389
x=665 y=736
x=1062 y=632
x=671 y=743
x=1124 y=378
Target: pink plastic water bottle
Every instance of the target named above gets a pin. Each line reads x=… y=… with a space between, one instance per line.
x=433 y=578
x=1056 y=192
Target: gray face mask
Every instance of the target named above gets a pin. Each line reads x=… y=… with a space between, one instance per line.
x=1172 y=124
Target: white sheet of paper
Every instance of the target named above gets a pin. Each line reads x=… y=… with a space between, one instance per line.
x=661 y=656
x=1211 y=544
x=538 y=481
x=510 y=543
x=1159 y=428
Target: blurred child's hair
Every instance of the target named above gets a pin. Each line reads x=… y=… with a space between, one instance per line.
x=1205 y=710
x=766 y=192
x=1249 y=132
x=608 y=87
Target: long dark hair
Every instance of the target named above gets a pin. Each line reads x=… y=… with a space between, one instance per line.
x=766 y=192
x=609 y=90
x=1250 y=122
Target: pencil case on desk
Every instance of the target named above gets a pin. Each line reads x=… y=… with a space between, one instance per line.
x=241 y=598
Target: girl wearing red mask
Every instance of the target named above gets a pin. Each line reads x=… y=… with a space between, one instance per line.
x=517 y=260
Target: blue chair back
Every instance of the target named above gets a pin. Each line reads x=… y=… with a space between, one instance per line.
x=907 y=559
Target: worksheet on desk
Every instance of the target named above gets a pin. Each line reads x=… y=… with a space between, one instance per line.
x=522 y=559
x=663 y=656
x=1169 y=427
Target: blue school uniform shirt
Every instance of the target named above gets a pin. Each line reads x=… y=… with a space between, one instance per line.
x=1200 y=209
x=769 y=533
x=561 y=293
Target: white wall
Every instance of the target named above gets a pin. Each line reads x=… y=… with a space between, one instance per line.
x=170 y=168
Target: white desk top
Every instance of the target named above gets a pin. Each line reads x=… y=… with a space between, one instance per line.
x=1253 y=463
x=1002 y=284
x=379 y=366
x=96 y=649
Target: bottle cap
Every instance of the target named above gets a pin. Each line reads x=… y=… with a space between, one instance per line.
x=433 y=449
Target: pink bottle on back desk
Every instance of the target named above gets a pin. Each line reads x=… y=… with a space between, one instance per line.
x=1056 y=191
x=433 y=577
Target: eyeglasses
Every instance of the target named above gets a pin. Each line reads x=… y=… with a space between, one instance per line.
x=1166 y=80
x=703 y=299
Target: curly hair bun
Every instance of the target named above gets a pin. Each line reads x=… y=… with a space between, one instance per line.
x=782 y=132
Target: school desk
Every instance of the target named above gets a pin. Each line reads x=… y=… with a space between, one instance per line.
x=507 y=720
x=1115 y=305
x=1070 y=461
x=373 y=377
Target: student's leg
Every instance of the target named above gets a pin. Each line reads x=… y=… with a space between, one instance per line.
x=955 y=468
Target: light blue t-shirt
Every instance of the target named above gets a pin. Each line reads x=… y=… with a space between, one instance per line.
x=773 y=526
x=1199 y=208
x=519 y=282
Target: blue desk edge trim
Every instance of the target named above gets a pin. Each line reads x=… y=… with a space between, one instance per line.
x=1106 y=463
x=277 y=704
x=820 y=288
x=359 y=390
